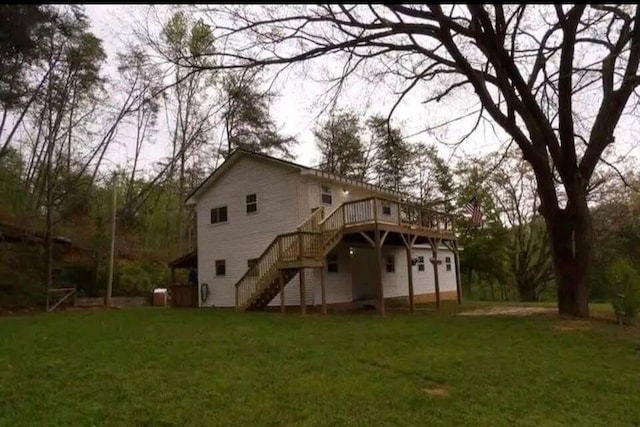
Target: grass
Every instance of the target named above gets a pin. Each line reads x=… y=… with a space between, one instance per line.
x=172 y=367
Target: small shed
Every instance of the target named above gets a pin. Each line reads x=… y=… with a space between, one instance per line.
x=184 y=295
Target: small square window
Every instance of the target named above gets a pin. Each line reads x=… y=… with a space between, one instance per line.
x=325 y=194
x=391 y=264
x=219 y=215
x=447 y=262
x=386 y=209
x=221 y=268
x=420 y=263
x=252 y=203
x=250 y=264
x=332 y=263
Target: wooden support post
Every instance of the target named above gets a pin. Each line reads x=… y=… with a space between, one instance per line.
x=281 y=285
x=410 y=273
x=322 y=290
x=378 y=246
x=303 y=297
x=409 y=241
x=344 y=216
x=434 y=261
x=375 y=211
x=453 y=247
x=300 y=247
x=456 y=258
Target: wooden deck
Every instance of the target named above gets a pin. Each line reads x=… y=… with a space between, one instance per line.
x=374 y=220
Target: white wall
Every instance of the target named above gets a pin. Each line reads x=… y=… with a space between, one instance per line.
x=397 y=284
x=244 y=236
x=339 y=196
x=363 y=278
x=337 y=285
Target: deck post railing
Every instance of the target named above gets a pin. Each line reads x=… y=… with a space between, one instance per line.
x=300 y=246
x=344 y=215
x=375 y=210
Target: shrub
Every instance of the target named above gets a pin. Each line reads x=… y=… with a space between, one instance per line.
x=623 y=281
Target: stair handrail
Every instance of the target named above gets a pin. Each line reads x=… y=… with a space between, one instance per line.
x=269 y=258
x=312 y=223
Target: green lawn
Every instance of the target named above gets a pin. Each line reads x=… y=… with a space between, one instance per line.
x=172 y=367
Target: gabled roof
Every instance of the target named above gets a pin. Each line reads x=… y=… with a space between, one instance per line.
x=238 y=153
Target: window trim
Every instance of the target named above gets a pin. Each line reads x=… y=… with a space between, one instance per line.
x=254 y=203
x=447 y=263
x=391 y=264
x=326 y=193
x=386 y=206
x=420 y=263
x=217 y=209
x=221 y=263
x=332 y=260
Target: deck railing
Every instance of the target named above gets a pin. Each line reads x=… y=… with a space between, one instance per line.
x=386 y=211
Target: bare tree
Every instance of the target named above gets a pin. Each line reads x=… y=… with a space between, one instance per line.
x=557 y=79
x=141 y=80
x=513 y=189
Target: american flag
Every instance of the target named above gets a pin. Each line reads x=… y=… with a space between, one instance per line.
x=473 y=209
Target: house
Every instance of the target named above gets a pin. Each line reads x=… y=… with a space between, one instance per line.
x=275 y=233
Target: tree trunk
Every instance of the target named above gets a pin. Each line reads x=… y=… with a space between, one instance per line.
x=527 y=290
x=571 y=238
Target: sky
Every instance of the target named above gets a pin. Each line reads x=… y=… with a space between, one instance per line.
x=296 y=109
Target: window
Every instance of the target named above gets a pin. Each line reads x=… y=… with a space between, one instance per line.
x=221 y=267
x=391 y=264
x=386 y=209
x=447 y=262
x=332 y=263
x=250 y=263
x=219 y=215
x=325 y=194
x=420 y=263
x=252 y=203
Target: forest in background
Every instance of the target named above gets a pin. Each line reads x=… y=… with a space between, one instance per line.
x=62 y=113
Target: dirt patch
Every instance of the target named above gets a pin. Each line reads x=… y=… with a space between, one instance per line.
x=437 y=390
x=573 y=325
x=507 y=311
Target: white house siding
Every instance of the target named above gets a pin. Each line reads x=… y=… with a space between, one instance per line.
x=244 y=236
x=397 y=284
x=356 y=277
x=337 y=285
x=338 y=193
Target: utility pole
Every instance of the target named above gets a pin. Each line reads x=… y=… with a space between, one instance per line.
x=107 y=299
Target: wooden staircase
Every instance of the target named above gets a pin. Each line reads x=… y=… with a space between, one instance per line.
x=308 y=246
x=287 y=255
